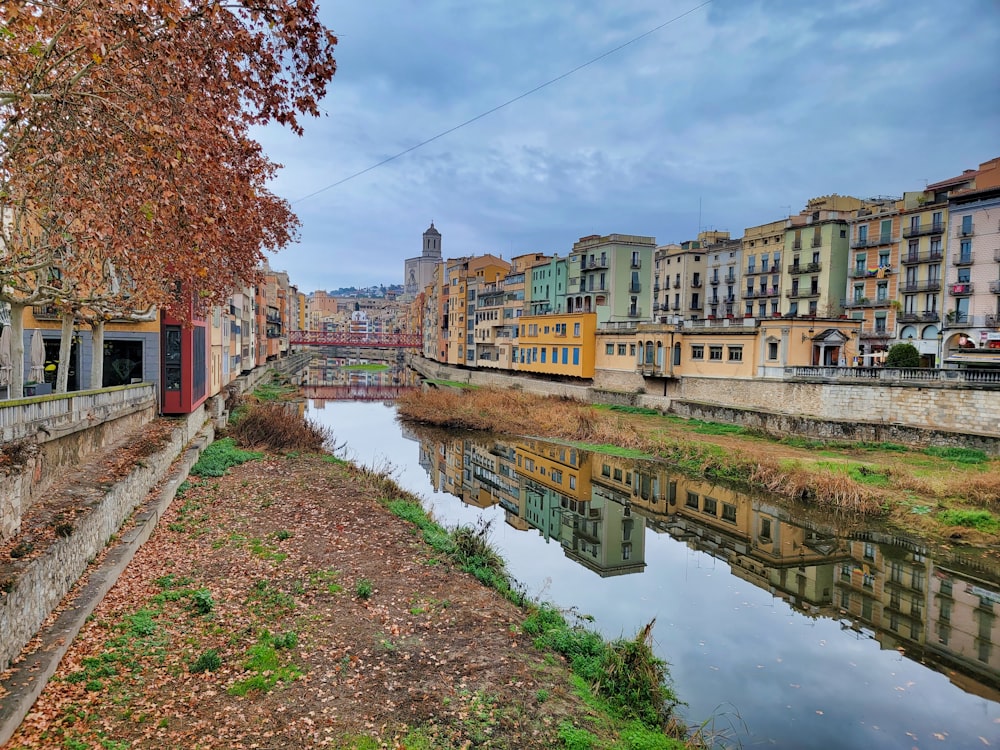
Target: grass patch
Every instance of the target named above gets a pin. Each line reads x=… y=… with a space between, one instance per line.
x=328 y=579
x=274 y=391
x=957 y=454
x=365 y=367
x=451 y=384
x=207 y=661
x=266 y=666
x=364 y=589
x=217 y=458
x=623 y=409
x=980 y=520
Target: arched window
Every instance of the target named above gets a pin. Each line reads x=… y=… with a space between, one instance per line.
x=649 y=352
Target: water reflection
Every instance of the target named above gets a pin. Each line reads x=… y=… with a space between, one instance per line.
x=937 y=609
x=330 y=378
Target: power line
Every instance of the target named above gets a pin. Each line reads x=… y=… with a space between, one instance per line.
x=539 y=87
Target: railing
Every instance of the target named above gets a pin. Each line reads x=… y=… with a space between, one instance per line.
x=864 y=302
x=870 y=273
x=804 y=268
x=677 y=284
x=917 y=231
x=882 y=333
x=931 y=285
x=960 y=289
x=964 y=259
x=992 y=321
x=995 y=287
x=966 y=231
x=696 y=284
x=863 y=242
x=926 y=257
x=817 y=242
x=593 y=264
x=927 y=316
x=801 y=293
x=895 y=375
x=635 y=286
x=714 y=281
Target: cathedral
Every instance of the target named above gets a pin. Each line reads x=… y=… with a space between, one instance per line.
x=419 y=271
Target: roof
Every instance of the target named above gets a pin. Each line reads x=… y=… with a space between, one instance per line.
x=432 y=230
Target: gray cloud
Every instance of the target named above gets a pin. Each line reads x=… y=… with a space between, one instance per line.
x=750 y=108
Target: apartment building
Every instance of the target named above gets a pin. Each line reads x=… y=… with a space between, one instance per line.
x=761 y=287
x=465 y=277
x=557 y=344
x=679 y=288
x=873 y=288
x=723 y=257
x=611 y=276
x=924 y=224
x=546 y=292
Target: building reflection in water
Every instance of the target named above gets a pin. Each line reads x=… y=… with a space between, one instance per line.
x=341 y=379
x=940 y=610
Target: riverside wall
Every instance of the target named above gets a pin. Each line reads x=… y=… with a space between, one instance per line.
x=922 y=415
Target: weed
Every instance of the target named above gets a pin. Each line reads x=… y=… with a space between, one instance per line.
x=363 y=589
x=327 y=577
x=981 y=520
x=207 y=661
x=542 y=695
x=575 y=739
x=958 y=455
x=265 y=664
x=218 y=457
x=201 y=601
x=7 y=585
x=334 y=460
x=64 y=529
x=270 y=599
x=282 y=535
x=22 y=549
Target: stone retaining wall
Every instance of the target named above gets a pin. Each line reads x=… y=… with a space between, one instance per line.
x=38 y=584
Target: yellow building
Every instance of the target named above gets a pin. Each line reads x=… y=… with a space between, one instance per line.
x=558 y=344
x=465 y=276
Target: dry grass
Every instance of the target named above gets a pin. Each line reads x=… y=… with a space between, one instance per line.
x=519 y=413
x=279 y=428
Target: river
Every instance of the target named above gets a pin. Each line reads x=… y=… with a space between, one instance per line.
x=782 y=629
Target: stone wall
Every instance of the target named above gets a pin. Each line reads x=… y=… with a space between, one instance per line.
x=938 y=407
x=63 y=430
x=37 y=584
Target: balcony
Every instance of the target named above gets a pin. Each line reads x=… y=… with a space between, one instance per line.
x=931 y=285
x=696 y=284
x=731 y=279
x=870 y=273
x=592 y=265
x=714 y=281
x=751 y=270
x=928 y=316
x=635 y=287
x=912 y=258
x=817 y=242
x=860 y=302
x=996 y=255
x=696 y=306
x=805 y=268
x=677 y=284
x=729 y=299
x=46 y=312
x=995 y=287
x=966 y=231
x=963 y=259
x=656 y=287
x=675 y=306
x=877 y=333
x=863 y=242
x=801 y=293
x=919 y=231
x=656 y=307
x=961 y=289
x=993 y=320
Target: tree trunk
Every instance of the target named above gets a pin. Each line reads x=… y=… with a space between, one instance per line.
x=16 y=351
x=65 y=352
x=97 y=351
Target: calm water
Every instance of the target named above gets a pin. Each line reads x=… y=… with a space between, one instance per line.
x=792 y=632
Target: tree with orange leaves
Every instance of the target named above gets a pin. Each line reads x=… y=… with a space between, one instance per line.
x=127 y=169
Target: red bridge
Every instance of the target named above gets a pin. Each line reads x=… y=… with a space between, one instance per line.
x=345 y=338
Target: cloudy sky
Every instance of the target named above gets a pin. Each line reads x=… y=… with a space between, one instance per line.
x=724 y=115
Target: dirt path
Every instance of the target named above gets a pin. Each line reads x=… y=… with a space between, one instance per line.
x=319 y=618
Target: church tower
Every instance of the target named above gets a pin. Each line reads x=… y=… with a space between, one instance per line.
x=432 y=242
x=419 y=272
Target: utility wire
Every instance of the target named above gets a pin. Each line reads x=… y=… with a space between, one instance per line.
x=539 y=87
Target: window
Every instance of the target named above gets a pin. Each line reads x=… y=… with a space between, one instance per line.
x=772 y=349
x=621 y=350
x=631 y=350
x=609 y=349
x=715 y=352
x=618 y=475
x=697 y=351
x=710 y=506
x=735 y=353
x=543 y=354
x=605 y=470
x=556 y=476
x=765 y=529
x=692 y=500
x=572 y=482
x=576 y=330
x=565 y=355
x=729 y=512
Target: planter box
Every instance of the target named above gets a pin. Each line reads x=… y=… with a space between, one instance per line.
x=38 y=389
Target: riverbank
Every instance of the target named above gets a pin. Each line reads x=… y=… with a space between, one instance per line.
x=948 y=496
x=287 y=589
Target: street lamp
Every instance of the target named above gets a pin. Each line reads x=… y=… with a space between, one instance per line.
x=940 y=338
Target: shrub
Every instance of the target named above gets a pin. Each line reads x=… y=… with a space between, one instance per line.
x=902 y=355
x=279 y=428
x=220 y=456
